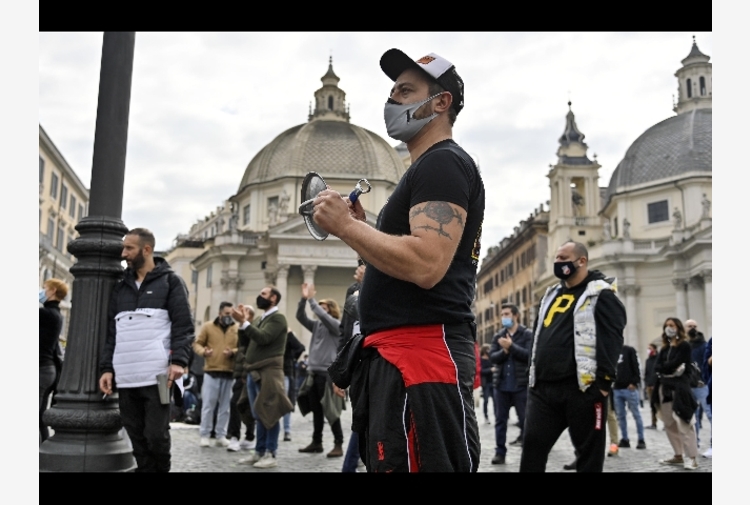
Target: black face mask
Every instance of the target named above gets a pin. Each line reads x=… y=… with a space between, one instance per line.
x=565 y=269
x=262 y=303
x=692 y=333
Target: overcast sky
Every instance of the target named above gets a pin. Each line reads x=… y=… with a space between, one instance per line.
x=203 y=104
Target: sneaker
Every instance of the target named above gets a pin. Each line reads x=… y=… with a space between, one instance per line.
x=205 y=442
x=499 y=459
x=613 y=450
x=625 y=443
x=267 y=461
x=247 y=445
x=250 y=460
x=487 y=420
x=570 y=466
x=517 y=442
x=234 y=445
x=691 y=464
x=674 y=460
x=707 y=454
x=287 y=437
x=222 y=442
x=641 y=444
x=652 y=427
x=313 y=447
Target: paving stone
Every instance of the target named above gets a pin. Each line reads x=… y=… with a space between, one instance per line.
x=188 y=456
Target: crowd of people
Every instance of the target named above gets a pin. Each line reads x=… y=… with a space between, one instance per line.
x=675 y=381
x=404 y=346
x=236 y=344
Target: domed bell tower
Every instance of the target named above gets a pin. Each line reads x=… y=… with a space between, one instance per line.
x=575 y=202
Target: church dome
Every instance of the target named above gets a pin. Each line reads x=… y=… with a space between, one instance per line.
x=678 y=145
x=333 y=148
x=328 y=144
x=675 y=146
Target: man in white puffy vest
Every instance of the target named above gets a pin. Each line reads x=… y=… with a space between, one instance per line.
x=150 y=331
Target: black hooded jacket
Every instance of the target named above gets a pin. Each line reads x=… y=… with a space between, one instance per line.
x=162 y=288
x=628 y=369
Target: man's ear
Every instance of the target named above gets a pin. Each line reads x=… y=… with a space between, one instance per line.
x=443 y=102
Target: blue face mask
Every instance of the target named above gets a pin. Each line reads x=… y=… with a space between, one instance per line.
x=42 y=296
x=507 y=322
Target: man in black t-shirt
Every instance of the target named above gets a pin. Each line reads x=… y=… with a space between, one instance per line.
x=577 y=341
x=419 y=362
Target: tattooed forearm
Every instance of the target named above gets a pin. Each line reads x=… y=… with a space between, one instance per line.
x=440 y=212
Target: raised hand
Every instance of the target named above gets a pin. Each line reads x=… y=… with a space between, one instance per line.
x=240 y=313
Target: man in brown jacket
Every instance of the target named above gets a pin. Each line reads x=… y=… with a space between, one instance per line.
x=217 y=343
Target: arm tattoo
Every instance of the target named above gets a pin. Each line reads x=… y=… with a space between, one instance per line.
x=440 y=212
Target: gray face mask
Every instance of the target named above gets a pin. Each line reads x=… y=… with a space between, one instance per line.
x=399 y=120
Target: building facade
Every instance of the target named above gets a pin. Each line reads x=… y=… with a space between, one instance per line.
x=508 y=274
x=63 y=201
x=650 y=227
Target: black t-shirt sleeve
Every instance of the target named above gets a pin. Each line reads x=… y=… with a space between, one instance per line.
x=440 y=178
x=610 y=319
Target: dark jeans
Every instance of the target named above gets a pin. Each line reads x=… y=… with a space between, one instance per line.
x=238 y=416
x=320 y=382
x=554 y=406
x=147 y=422
x=47 y=376
x=504 y=400
x=351 y=458
x=487 y=393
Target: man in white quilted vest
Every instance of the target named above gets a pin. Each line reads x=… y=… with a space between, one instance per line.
x=578 y=338
x=150 y=331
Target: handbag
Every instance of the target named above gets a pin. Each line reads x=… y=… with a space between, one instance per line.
x=694 y=374
x=303 y=399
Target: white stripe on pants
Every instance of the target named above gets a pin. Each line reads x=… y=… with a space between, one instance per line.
x=215 y=391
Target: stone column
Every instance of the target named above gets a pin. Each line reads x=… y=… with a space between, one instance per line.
x=680 y=300
x=282 y=284
x=696 y=304
x=232 y=285
x=707 y=287
x=308 y=272
x=631 y=329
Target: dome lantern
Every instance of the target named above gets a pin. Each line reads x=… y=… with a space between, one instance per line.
x=694 y=82
x=330 y=99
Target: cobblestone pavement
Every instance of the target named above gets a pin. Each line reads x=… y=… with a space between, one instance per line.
x=187 y=456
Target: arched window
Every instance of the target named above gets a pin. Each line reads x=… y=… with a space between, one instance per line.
x=702 y=84
x=689 y=88
x=330 y=103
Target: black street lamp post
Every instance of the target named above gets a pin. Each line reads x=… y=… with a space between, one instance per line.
x=86 y=427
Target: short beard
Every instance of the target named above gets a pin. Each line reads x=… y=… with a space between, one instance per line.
x=137 y=262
